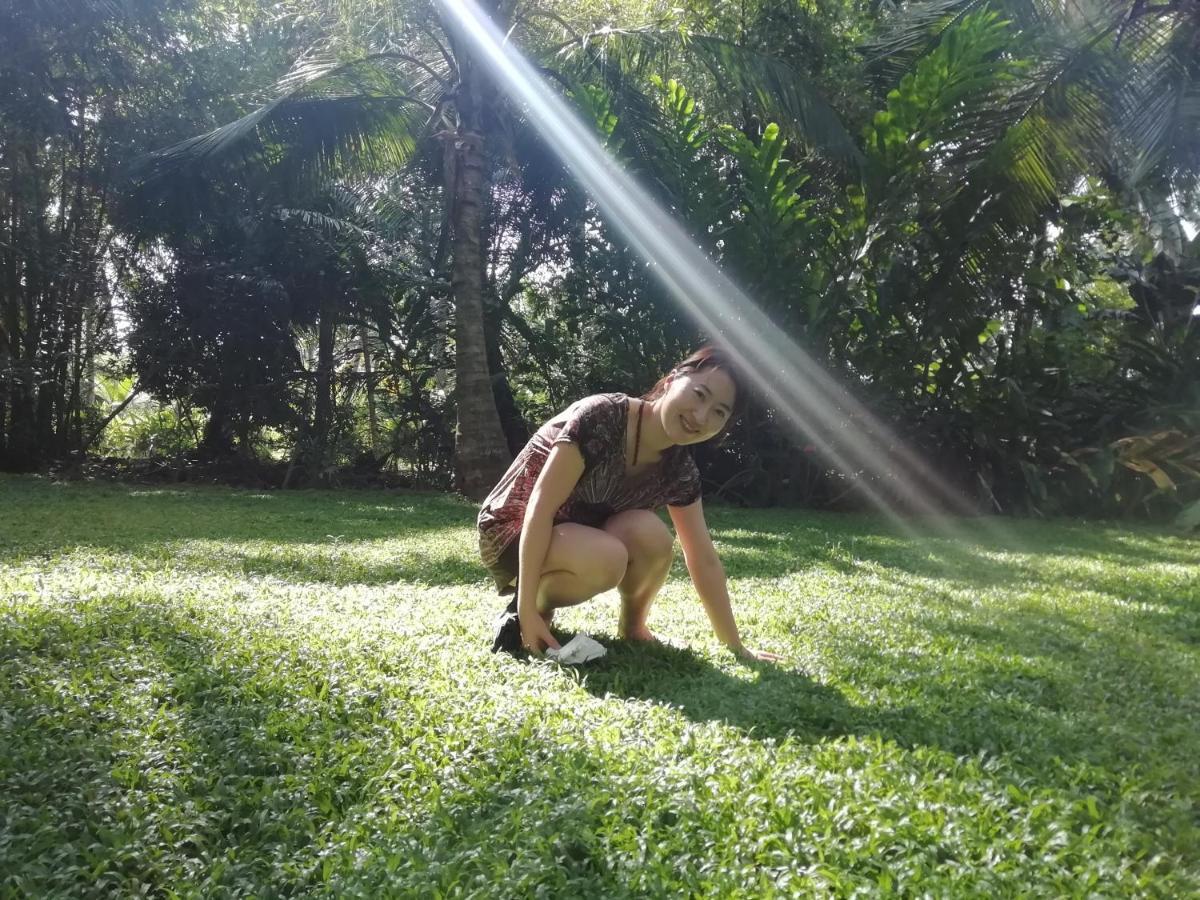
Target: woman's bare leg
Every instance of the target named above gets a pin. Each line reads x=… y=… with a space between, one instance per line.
x=650 y=546
x=581 y=562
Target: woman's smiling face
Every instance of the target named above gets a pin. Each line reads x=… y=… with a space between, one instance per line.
x=697 y=405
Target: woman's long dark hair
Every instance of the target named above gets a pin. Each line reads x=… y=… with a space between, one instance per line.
x=708 y=357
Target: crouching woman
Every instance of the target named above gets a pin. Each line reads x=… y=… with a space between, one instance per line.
x=574 y=514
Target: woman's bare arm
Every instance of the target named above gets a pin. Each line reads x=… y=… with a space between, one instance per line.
x=562 y=471
x=708 y=575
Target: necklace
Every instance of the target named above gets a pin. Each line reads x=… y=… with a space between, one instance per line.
x=637 y=438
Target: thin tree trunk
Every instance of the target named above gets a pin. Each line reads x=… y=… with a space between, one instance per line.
x=515 y=431
x=323 y=418
x=21 y=446
x=44 y=350
x=86 y=443
x=372 y=418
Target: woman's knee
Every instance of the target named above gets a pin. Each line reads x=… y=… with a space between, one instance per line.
x=610 y=562
x=643 y=534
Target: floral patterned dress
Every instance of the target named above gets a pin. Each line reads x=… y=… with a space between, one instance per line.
x=597 y=426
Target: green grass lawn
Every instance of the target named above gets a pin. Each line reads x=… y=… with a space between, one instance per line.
x=210 y=693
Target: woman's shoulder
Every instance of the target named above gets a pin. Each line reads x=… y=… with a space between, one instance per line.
x=607 y=400
x=595 y=407
x=596 y=413
x=595 y=423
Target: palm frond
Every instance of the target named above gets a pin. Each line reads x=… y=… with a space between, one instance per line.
x=1161 y=102
x=390 y=208
x=913 y=30
x=1122 y=78
x=334 y=226
x=779 y=92
x=1057 y=128
x=329 y=117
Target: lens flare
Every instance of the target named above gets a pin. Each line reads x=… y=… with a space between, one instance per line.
x=810 y=401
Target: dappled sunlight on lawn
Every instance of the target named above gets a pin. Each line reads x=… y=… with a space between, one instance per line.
x=438 y=558
x=307 y=700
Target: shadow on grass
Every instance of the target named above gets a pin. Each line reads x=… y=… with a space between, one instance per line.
x=1035 y=716
x=238 y=776
x=772 y=701
x=243 y=762
x=1048 y=736
x=330 y=566
x=219 y=773
x=764 y=701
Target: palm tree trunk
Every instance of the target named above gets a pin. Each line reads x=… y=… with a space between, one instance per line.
x=481 y=452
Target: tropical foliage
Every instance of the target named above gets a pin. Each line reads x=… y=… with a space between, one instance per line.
x=978 y=216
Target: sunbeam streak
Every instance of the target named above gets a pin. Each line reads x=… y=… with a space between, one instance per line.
x=811 y=402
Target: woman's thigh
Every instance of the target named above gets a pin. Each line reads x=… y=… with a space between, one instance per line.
x=585 y=551
x=581 y=562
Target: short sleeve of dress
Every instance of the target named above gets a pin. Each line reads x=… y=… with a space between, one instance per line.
x=685 y=490
x=592 y=425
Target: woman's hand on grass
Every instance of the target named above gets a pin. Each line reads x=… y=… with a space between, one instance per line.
x=751 y=655
x=535 y=633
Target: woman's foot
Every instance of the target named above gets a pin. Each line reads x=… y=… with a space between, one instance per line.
x=642 y=635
